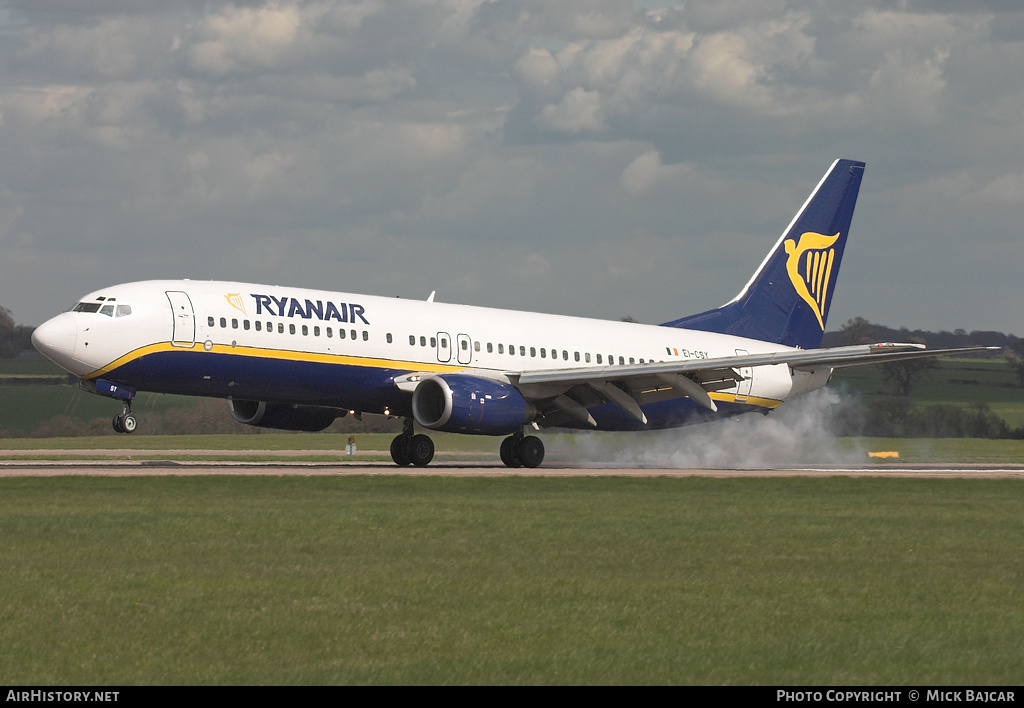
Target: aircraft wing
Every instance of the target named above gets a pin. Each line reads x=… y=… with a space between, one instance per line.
x=572 y=391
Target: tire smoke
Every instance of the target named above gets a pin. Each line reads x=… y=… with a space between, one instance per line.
x=795 y=435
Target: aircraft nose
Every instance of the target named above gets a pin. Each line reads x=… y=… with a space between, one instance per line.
x=56 y=338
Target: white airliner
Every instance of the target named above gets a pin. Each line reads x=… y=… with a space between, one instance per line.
x=296 y=359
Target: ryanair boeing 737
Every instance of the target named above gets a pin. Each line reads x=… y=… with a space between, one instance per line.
x=296 y=359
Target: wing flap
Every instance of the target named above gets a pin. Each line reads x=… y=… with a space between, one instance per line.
x=630 y=386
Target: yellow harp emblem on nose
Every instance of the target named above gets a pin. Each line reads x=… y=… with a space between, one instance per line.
x=236 y=301
x=810 y=269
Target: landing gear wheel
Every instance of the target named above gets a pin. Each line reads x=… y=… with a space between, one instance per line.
x=508 y=452
x=421 y=450
x=125 y=423
x=400 y=450
x=530 y=451
x=129 y=424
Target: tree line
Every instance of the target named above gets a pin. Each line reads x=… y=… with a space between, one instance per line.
x=14 y=338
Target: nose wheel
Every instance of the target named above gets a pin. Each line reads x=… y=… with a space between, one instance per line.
x=125 y=422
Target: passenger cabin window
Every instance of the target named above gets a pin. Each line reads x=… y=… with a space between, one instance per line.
x=366 y=336
x=412 y=340
x=223 y=322
x=259 y=325
x=389 y=337
x=490 y=348
x=245 y=325
x=209 y=322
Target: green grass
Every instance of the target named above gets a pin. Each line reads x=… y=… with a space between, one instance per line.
x=22 y=408
x=246 y=443
x=445 y=580
x=35 y=365
x=958 y=382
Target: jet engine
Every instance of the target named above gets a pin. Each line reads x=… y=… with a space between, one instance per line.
x=469 y=404
x=283 y=416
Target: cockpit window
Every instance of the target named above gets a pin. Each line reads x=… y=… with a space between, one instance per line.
x=108 y=309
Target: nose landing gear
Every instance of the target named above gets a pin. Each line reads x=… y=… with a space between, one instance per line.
x=125 y=422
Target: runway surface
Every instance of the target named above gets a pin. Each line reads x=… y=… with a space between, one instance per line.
x=150 y=468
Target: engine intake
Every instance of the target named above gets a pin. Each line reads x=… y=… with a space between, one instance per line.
x=469 y=404
x=283 y=416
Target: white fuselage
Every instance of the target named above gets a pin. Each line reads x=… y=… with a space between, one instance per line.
x=284 y=344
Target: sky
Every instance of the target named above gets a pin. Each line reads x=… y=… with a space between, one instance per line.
x=585 y=157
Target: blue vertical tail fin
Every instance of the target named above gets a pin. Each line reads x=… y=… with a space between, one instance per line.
x=788 y=298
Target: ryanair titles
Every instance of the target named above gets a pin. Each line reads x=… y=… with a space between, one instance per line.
x=309 y=309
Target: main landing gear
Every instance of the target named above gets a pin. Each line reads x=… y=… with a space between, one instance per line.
x=410 y=449
x=522 y=451
x=516 y=450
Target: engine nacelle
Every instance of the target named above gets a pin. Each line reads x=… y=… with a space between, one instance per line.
x=283 y=416
x=469 y=404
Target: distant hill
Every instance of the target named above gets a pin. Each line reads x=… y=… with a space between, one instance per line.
x=933 y=340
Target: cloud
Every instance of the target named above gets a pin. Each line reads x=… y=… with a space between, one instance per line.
x=579 y=111
x=1006 y=190
x=628 y=159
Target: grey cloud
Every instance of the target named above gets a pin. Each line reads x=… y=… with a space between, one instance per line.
x=581 y=157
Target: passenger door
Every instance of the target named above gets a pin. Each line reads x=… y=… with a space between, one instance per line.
x=464 y=352
x=183 y=318
x=444 y=349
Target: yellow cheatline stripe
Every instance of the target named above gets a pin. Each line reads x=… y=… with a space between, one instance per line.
x=314 y=357
x=751 y=400
x=311 y=357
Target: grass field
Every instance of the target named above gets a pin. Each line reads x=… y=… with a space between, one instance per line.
x=445 y=580
x=959 y=382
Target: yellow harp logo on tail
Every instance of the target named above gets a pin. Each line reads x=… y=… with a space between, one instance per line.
x=810 y=269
